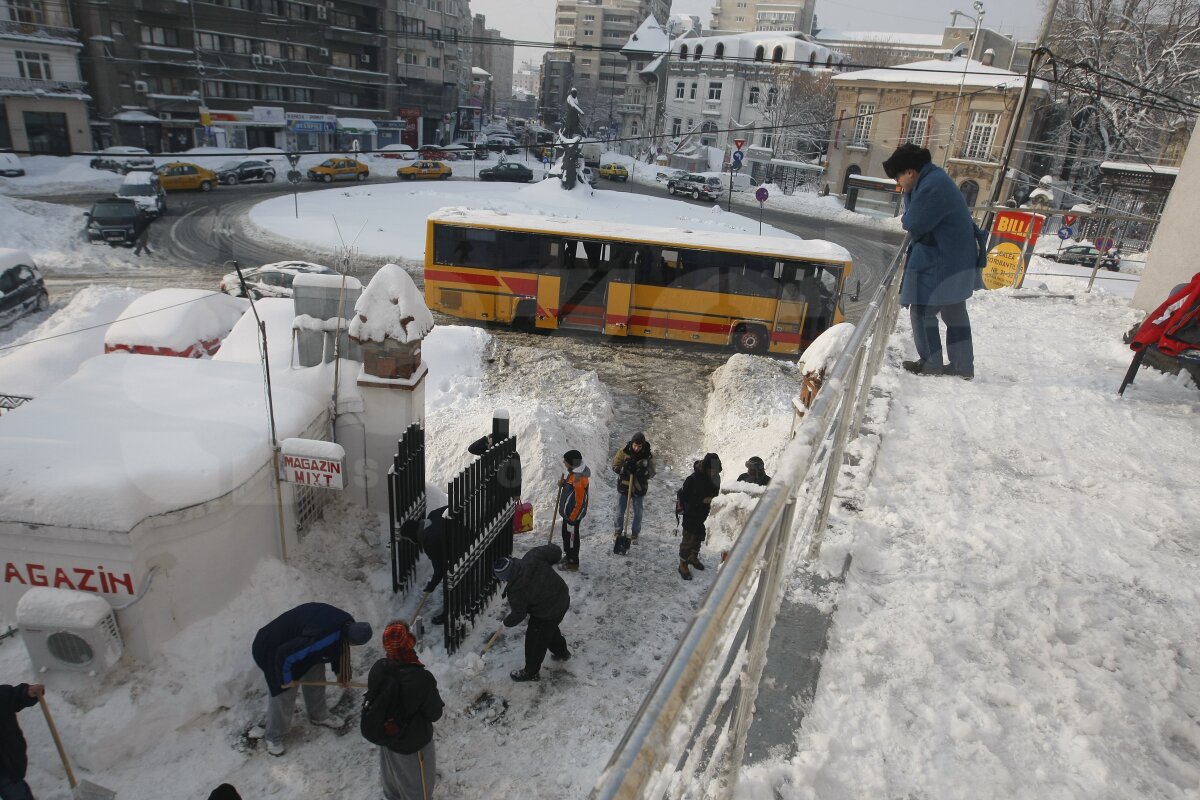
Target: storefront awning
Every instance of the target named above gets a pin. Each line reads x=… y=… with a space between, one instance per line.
x=355 y=125
x=134 y=116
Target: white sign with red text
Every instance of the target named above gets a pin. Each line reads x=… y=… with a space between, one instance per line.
x=313 y=462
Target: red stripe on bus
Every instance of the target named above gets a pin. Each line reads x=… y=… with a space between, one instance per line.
x=522 y=285
x=786 y=338
x=679 y=324
x=461 y=277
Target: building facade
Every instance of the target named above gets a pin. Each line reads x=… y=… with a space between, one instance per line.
x=877 y=110
x=734 y=16
x=43 y=100
x=494 y=54
x=882 y=49
x=528 y=77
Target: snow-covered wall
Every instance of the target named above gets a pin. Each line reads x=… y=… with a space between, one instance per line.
x=1172 y=258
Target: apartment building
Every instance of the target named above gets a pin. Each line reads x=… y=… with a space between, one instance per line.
x=493 y=53
x=433 y=63
x=528 y=77
x=43 y=101
x=732 y=16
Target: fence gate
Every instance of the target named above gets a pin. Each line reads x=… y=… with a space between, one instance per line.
x=406 y=501
x=478 y=529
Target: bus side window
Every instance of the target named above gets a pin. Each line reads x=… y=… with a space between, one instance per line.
x=672 y=268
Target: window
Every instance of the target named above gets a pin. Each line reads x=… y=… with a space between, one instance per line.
x=676 y=125
x=413 y=26
x=115 y=28
x=301 y=95
x=690 y=125
x=683 y=52
x=692 y=93
x=699 y=51
x=589 y=17
x=981 y=135
x=679 y=91
x=272 y=93
x=589 y=33
x=345 y=99
x=433 y=61
x=587 y=62
x=758 y=53
x=918 y=123
x=812 y=59
x=862 y=124
x=753 y=99
x=435 y=34
x=772 y=96
x=344 y=60
x=412 y=59
x=33 y=66
x=633 y=128
x=777 y=55
x=720 y=51
x=164 y=37
x=714 y=91
x=766 y=138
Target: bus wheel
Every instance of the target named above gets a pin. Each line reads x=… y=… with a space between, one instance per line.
x=750 y=339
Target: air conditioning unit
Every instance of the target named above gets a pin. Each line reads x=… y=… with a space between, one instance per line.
x=329 y=3
x=268 y=60
x=325 y=52
x=68 y=630
x=141 y=86
x=439 y=44
x=256 y=58
x=365 y=58
x=322 y=12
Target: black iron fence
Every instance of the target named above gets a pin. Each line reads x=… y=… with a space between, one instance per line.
x=406 y=501
x=10 y=401
x=478 y=529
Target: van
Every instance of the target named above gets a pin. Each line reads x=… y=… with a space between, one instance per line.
x=144 y=189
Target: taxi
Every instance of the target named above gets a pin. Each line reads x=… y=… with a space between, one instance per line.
x=180 y=176
x=341 y=169
x=424 y=170
x=614 y=172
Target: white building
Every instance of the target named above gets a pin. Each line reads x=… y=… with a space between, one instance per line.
x=762 y=15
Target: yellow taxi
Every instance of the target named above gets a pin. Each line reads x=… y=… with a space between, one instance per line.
x=339 y=169
x=180 y=175
x=424 y=170
x=614 y=172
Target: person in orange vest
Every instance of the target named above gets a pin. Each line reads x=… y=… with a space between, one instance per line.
x=572 y=505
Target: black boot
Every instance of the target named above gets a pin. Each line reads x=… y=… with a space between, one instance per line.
x=521 y=676
x=695 y=562
x=683 y=570
x=440 y=619
x=921 y=368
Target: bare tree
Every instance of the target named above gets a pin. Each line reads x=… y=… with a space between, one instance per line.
x=1121 y=63
x=877 y=53
x=798 y=111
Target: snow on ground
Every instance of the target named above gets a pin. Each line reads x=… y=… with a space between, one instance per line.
x=59 y=175
x=54 y=234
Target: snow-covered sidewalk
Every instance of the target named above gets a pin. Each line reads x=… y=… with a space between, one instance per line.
x=1019 y=619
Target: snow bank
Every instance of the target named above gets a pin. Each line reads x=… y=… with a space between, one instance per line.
x=391 y=307
x=243 y=342
x=826 y=348
x=53 y=175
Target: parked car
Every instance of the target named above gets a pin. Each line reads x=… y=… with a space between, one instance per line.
x=670 y=174
x=10 y=165
x=184 y=323
x=697 y=186
x=424 y=170
x=461 y=152
x=510 y=171
x=588 y=176
x=115 y=221
x=432 y=153
x=145 y=189
x=403 y=151
x=614 y=172
x=1085 y=255
x=122 y=159
x=232 y=173
x=339 y=169
x=271 y=280
x=22 y=290
x=180 y=176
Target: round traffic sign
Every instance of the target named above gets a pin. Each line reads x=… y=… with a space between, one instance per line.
x=293 y=158
x=761 y=195
x=738 y=155
x=1065 y=232
x=294 y=176
x=736 y=166
x=1104 y=244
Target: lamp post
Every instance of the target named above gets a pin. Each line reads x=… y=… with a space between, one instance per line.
x=978 y=20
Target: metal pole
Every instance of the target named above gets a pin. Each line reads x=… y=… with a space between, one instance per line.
x=760 y=213
x=729 y=202
x=966 y=64
x=1019 y=275
x=1011 y=138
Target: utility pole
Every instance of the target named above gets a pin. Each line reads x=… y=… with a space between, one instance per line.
x=978 y=18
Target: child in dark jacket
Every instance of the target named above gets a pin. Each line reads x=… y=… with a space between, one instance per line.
x=572 y=505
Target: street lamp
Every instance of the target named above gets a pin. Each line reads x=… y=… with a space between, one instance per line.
x=978 y=20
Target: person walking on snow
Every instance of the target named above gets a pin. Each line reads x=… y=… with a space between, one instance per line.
x=429 y=534
x=756 y=472
x=295 y=646
x=942 y=268
x=696 y=498
x=400 y=707
x=633 y=463
x=13 y=758
x=537 y=591
x=572 y=505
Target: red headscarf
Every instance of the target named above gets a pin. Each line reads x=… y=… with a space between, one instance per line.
x=398 y=643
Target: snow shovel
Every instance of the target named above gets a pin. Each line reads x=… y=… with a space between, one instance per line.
x=621 y=546
x=492 y=640
x=554 y=517
x=80 y=790
x=351 y=685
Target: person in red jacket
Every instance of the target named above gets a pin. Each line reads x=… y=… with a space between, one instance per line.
x=13 y=761
x=572 y=505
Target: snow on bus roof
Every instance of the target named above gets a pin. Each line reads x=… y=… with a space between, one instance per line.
x=682 y=237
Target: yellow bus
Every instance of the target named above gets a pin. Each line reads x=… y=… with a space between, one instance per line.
x=755 y=293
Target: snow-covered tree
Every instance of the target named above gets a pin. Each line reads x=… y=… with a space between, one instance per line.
x=798 y=111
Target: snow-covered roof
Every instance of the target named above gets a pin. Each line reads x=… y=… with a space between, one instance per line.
x=10 y=258
x=649 y=38
x=882 y=37
x=134 y=116
x=651 y=234
x=391 y=307
x=355 y=124
x=480 y=72
x=796 y=47
x=1137 y=166
x=942 y=73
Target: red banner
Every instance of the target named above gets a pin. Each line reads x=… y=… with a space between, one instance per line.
x=1014 y=226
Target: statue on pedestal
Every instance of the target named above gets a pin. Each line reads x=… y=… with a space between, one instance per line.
x=569 y=139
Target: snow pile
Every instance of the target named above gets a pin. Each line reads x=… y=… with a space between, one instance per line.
x=54 y=234
x=54 y=175
x=43 y=606
x=50 y=353
x=391 y=307
x=176 y=319
x=244 y=341
x=826 y=348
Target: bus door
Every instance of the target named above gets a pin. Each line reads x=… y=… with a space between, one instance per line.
x=585 y=275
x=616 y=314
x=547 y=301
x=789 y=311
x=624 y=262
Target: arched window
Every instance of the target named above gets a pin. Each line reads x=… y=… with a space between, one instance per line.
x=720 y=53
x=772 y=96
x=699 y=50
x=759 y=53
x=777 y=54
x=853 y=169
x=753 y=99
x=812 y=59
x=829 y=61
x=970 y=192
x=633 y=128
x=683 y=51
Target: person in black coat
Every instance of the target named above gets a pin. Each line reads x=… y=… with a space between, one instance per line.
x=537 y=591
x=429 y=534
x=756 y=472
x=696 y=497
x=13 y=758
x=296 y=646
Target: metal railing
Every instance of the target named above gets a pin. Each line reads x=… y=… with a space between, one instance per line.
x=32 y=85
x=689 y=735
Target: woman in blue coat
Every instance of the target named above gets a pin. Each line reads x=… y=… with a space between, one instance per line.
x=941 y=271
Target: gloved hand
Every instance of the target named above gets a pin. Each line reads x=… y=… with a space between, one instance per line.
x=642 y=468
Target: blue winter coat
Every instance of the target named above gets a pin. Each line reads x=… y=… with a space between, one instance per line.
x=297 y=640
x=942 y=262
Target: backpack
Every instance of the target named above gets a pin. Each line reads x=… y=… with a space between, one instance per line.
x=981 y=248
x=378 y=724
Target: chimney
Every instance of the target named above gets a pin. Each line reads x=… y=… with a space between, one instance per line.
x=989 y=56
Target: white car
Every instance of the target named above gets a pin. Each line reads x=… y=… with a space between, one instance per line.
x=10 y=165
x=144 y=189
x=122 y=159
x=271 y=280
x=665 y=175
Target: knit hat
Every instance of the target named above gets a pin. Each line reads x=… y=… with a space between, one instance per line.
x=397 y=638
x=503 y=567
x=638 y=437
x=573 y=458
x=712 y=461
x=754 y=462
x=224 y=792
x=358 y=633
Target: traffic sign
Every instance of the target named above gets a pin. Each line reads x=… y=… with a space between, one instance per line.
x=736 y=166
x=1065 y=232
x=545 y=159
x=761 y=195
x=1069 y=219
x=1104 y=244
x=293 y=158
x=738 y=156
x=294 y=176
x=738 y=143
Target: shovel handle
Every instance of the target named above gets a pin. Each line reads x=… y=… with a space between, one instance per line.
x=350 y=685
x=492 y=640
x=420 y=605
x=62 y=753
x=554 y=517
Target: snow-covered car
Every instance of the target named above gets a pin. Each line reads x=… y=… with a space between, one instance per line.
x=144 y=189
x=122 y=159
x=698 y=187
x=234 y=172
x=271 y=280
x=187 y=323
x=669 y=174
x=22 y=290
x=403 y=151
x=588 y=176
x=10 y=165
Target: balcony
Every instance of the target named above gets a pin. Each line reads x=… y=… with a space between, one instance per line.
x=982 y=155
x=27 y=86
x=9 y=27
x=351 y=34
x=629 y=108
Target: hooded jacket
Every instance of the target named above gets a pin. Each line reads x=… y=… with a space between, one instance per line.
x=535 y=588
x=410 y=694
x=573 y=495
x=639 y=466
x=700 y=486
x=297 y=640
x=13 y=759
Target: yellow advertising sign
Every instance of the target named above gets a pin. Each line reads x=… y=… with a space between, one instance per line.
x=1004 y=262
x=205 y=117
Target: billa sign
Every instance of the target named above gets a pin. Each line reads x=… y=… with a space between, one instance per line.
x=1011 y=231
x=312 y=462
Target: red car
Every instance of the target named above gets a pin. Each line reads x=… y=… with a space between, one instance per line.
x=437 y=154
